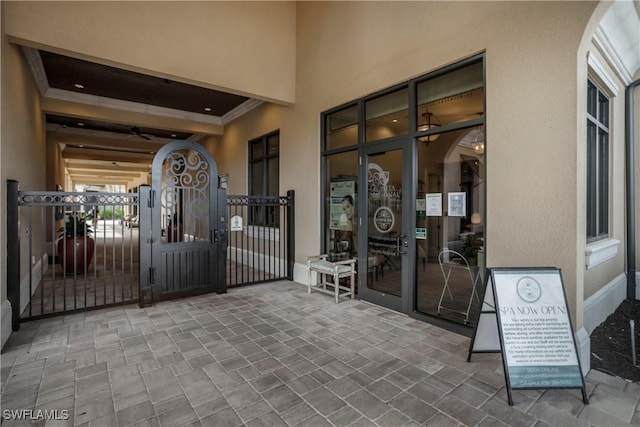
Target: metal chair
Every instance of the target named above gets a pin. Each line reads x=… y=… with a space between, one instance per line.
x=449 y=261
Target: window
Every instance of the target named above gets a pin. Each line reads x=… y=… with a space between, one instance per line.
x=341 y=128
x=341 y=179
x=387 y=115
x=264 y=172
x=597 y=163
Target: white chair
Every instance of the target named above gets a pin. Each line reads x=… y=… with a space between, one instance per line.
x=449 y=261
x=338 y=270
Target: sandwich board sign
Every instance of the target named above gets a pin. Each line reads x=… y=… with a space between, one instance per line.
x=527 y=309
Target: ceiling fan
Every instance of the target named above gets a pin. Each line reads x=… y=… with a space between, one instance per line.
x=135 y=131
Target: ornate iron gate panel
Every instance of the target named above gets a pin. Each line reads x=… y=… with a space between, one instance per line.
x=187 y=236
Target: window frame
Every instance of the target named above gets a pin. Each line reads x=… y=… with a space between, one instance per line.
x=598 y=158
x=257 y=214
x=328 y=149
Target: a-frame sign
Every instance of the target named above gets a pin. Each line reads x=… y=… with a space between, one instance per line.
x=525 y=317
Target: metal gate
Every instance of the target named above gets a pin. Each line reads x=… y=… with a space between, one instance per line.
x=164 y=241
x=183 y=248
x=69 y=251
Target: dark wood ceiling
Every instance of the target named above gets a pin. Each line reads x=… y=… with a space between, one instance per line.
x=98 y=149
x=64 y=73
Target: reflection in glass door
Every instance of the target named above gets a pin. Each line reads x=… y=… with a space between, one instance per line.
x=386 y=240
x=450 y=251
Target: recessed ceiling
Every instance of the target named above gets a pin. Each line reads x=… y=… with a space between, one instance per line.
x=64 y=72
x=152 y=107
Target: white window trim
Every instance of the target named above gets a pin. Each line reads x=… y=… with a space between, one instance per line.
x=599 y=73
x=600 y=251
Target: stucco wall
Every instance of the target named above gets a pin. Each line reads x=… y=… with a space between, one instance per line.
x=21 y=141
x=347 y=50
x=217 y=44
x=231 y=153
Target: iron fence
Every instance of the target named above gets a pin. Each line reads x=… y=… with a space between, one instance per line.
x=52 y=268
x=81 y=252
x=261 y=239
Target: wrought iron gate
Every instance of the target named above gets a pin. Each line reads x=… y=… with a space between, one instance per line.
x=165 y=241
x=183 y=248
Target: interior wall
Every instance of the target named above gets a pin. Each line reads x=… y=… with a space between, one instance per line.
x=346 y=50
x=209 y=43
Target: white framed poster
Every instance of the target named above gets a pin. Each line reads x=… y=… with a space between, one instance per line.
x=342 y=206
x=434 y=204
x=457 y=204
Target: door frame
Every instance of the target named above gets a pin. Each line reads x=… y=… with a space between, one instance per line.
x=403 y=303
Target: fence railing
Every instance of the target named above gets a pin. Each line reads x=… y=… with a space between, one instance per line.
x=80 y=253
x=261 y=239
x=74 y=251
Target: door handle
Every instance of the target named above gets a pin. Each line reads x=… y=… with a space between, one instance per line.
x=215 y=235
x=404 y=244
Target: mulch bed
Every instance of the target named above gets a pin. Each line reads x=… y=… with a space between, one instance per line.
x=611 y=343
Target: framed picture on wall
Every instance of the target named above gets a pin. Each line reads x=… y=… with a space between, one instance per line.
x=457 y=204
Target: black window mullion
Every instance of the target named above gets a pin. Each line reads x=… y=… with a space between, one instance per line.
x=591 y=180
x=597 y=162
x=603 y=183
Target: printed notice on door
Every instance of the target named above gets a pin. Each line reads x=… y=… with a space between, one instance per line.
x=536 y=329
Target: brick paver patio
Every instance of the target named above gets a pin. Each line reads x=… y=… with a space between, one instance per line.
x=273 y=355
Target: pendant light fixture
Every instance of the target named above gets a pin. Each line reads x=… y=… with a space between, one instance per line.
x=430 y=122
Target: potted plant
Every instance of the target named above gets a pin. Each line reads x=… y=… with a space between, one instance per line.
x=75 y=245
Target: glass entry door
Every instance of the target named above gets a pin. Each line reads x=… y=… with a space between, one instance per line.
x=384 y=226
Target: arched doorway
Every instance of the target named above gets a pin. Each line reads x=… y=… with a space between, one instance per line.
x=186 y=236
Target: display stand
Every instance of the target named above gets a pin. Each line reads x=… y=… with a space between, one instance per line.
x=525 y=317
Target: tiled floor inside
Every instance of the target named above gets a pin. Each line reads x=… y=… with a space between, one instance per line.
x=273 y=355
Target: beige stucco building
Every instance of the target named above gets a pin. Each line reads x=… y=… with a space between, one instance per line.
x=302 y=59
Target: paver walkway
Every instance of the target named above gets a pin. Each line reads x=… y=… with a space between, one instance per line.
x=273 y=355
